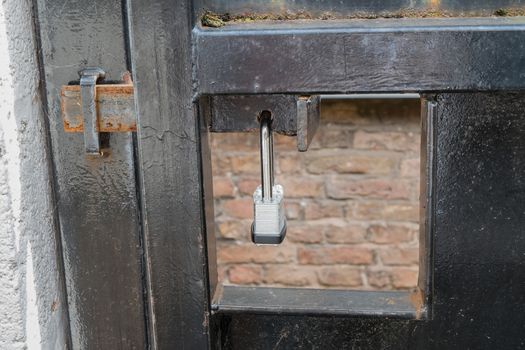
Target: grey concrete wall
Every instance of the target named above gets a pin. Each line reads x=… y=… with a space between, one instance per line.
x=32 y=309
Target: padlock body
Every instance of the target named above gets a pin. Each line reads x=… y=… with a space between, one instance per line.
x=269 y=225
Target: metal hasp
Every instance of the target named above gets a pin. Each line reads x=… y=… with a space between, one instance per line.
x=292 y=114
x=88 y=95
x=269 y=224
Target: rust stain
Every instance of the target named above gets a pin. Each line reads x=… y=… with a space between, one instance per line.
x=417 y=300
x=118 y=96
x=216 y=20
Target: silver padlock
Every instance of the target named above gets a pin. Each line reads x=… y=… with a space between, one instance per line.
x=269 y=224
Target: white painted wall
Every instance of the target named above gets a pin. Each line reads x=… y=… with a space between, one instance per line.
x=32 y=307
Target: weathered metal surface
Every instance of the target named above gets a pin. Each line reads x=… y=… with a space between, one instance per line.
x=309 y=57
x=477 y=270
x=308 y=115
x=345 y=8
x=292 y=115
x=88 y=95
x=115 y=108
x=308 y=302
x=172 y=163
x=96 y=196
x=240 y=113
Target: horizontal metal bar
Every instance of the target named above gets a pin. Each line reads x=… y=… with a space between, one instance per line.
x=401 y=96
x=353 y=56
x=114 y=104
x=261 y=300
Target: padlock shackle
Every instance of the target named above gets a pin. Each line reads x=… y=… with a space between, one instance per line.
x=266 y=142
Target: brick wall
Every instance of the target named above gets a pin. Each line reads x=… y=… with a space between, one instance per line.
x=351 y=201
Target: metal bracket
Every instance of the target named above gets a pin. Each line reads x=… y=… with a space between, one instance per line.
x=293 y=115
x=88 y=95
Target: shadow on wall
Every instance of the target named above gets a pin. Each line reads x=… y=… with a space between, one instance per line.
x=351 y=201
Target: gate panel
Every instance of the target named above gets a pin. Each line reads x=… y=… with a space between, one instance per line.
x=96 y=196
x=478 y=267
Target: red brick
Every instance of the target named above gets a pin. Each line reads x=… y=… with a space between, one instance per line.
x=284 y=143
x=247 y=186
x=245 y=274
x=383 y=211
x=305 y=233
x=293 y=210
x=289 y=164
x=410 y=167
x=238 y=208
x=320 y=210
x=372 y=188
x=222 y=187
x=236 y=142
x=388 y=234
x=344 y=163
x=399 y=256
x=334 y=137
x=404 y=278
x=379 y=279
x=341 y=276
x=300 y=187
x=389 y=140
x=234 y=229
x=245 y=163
x=348 y=233
x=251 y=253
x=289 y=275
x=220 y=165
x=335 y=255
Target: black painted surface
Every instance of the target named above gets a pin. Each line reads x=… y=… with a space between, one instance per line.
x=174 y=191
x=396 y=55
x=479 y=244
x=96 y=197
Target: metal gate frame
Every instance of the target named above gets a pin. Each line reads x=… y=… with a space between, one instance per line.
x=148 y=272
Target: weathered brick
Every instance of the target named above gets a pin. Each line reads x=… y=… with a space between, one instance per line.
x=347 y=233
x=305 y=233
x=372 y=112
x=335 y=255
x=334 y=137
x=245 y=274
x=234 y=229
x=289 y=164
x=404 y=278
x=245 y=163
x=392 y=234
x=284 y=143
x=247 y=185
x=238 y=208
x=378 y=279
x=236 y=142
x=410 y=167
x=399 y=256
x=344 y=163
x=300 y=187
x=293 y=210
x=382 y=210
x=372 y=188
x=220 y=165
x=387 y=140
x=222 y=187
x=320 y=210
x=251 y=253
x=289 y=275
x=340 y=276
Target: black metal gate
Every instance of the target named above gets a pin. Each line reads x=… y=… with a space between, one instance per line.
x=137 y=223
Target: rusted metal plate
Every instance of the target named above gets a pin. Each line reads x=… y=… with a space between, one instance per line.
x=115 y=108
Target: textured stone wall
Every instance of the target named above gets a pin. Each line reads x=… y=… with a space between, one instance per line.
x=351 y=201
x=32 y=302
